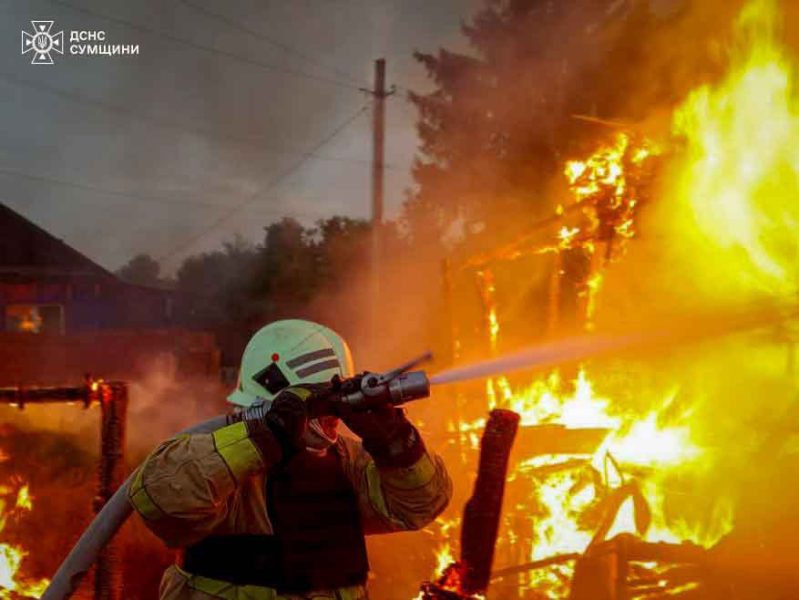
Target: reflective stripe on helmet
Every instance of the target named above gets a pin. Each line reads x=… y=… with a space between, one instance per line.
x=311 y=356
x=316 y=368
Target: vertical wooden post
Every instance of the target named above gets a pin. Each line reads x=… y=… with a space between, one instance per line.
x=114 y=405
x=481 y=515
x=379 y=95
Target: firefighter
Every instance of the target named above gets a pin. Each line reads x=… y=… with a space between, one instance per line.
x=277 y=508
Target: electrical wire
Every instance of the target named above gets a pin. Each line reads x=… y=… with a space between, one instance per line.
x=276 y=43
x=208 y=49
x=78 y=98
x=52 y=181
x=283 y=175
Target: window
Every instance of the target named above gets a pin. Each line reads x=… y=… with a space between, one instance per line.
x=35 y=318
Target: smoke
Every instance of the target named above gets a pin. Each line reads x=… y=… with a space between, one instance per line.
x=164 y=402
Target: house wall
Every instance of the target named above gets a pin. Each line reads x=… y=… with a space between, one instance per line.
x=45 y=359
x=88 y=304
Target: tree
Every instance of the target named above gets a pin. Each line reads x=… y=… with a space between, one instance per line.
x=499 y=124
x=286 y=273
x=213 y=295
x=343 y=247
x=213 y=286
x=235 y=290
x=494 y=129
x=142 y=269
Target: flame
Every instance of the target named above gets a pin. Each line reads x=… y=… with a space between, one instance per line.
x=567 y=487
x=566 y=235
x=488 y=290
x=601 y=170
x=30 y=320
x=738 y=177
x=605 y=184
x=444 y=559
x=15 y=499
x=24 y=500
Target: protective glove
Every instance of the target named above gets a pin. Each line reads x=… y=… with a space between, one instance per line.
x=387 y=436
x=285 y=422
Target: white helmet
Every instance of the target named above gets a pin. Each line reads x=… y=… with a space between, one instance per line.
x=286 y=353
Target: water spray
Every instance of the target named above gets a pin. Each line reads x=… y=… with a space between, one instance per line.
x=681 y=331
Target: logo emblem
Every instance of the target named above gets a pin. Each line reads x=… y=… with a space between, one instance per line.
x=41 y=42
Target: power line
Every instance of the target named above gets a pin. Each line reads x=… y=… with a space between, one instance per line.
x=4 y=172
x=276 y=43
x=271 y=185
x=209 y=49
x=167 y=124
x=92 y=188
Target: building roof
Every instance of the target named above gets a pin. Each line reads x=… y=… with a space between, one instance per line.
x=27 y=249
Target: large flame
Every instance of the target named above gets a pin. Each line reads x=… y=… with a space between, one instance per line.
x=737 y=181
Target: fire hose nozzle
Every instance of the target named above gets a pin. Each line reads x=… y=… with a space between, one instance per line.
x=398 y=390
x=371 y=390
x=414 y=385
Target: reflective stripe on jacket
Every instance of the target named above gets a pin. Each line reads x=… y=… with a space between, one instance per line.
x=198 y=485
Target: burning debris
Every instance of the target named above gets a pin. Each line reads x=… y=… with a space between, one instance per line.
x=583 y=475
x=112 y=400
x=607 y=187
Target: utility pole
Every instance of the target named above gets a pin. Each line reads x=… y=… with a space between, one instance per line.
x=378 y=147
x=379 y=95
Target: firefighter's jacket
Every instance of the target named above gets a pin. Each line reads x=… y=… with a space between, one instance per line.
x=201 y=485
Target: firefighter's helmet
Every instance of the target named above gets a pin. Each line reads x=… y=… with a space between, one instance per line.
x=286 y=353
